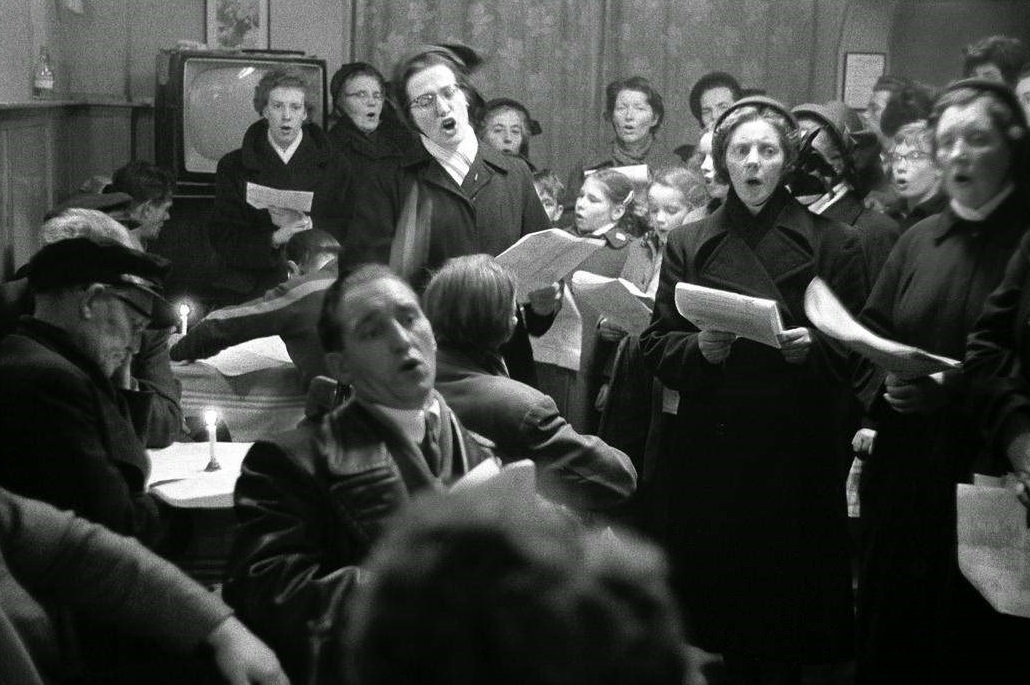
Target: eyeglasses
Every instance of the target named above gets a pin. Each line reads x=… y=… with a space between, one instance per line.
x=365 y=95
x=428 y=100
x=910 y=157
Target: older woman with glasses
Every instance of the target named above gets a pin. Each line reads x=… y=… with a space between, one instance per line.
x=454 y=197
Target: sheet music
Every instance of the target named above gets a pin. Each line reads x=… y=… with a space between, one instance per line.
x=618 y=300
x=252 y=355
x=754 y=318
x=263 y=197
x=539 y=259
x=637 y=173
x=828 y=315
x=994 y=546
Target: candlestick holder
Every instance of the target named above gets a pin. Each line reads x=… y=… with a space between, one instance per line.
x=211 y=421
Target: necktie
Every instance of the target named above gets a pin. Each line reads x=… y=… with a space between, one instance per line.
x=431 y=443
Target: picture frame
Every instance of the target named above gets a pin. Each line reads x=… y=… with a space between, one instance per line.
x=861 y=71
x=237 y=24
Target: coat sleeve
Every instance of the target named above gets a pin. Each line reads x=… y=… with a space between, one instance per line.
x=230 y=326
x=151 y=367
x=61 y=423
x=241 y=234
x=998 y=392
x=281 y=578
x=375 y=220
x=534 y=218
x=333 y=208
x=64 y=559
x=579 y=470
x=669 y=344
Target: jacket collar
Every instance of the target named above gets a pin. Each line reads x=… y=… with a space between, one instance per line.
x=59 y=342
x=453 y=359
x=487 y=163
x=1008 y=218
x=256 y=149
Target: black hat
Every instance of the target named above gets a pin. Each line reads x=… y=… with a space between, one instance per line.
x=80 y=261
x=758 y=101
x=500 y=103
x=713 y=79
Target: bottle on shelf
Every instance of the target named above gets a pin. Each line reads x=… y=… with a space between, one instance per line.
x=43 y=79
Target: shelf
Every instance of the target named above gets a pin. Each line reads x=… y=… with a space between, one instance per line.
x=78 y=102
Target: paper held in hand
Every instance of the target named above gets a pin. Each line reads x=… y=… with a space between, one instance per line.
x=994 y=546
x=828 y=315
x=637 y=173
x=263 y=197
x=618 y=300
x=754 y=318
x=540 y=259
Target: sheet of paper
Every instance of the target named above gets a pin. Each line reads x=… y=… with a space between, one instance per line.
x=253 y=355
x=754 y=318
x=263 y=197
x=827 y=313
x=178 y=477
x=492 y=476
x=539 y=259
x=560 y=345
x=994 y=546
x=638 y=173
x=618 y=300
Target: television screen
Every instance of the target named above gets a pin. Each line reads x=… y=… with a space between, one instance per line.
x=218 y=106
x=205 y=102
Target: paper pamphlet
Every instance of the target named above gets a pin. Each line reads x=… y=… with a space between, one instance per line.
x=178 y=477
x=618 y=300
x=539 y=259
x=253 y=355
x=560 y=345
x=994 y=546
x=491 y=474
x=262 y=197
x=828 y=315
x=754 y=318
x=637 y=173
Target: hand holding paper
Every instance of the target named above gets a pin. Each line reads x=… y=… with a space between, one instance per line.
x=625 y=306
x=754 y=318
x=540 y=259
x=263 y=197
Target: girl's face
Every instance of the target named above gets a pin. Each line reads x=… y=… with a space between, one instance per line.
x=594 y=209
x=666 y=207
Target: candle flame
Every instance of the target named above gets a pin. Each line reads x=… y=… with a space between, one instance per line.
x=184 y=309
x=210 y=417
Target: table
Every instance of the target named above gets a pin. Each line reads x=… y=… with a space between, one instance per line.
x=255 y=405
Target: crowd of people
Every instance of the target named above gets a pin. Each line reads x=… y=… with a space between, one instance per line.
x=368 y=547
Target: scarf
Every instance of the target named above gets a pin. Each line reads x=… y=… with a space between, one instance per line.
x=455 y=161
x=636 y=153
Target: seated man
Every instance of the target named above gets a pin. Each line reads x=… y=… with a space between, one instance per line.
x=70 y=425
x=311 y=503
x=470 y=303
x=150 y=371
x=289 y=310
x=485 y=587
x=51 y=561
x=150 y=188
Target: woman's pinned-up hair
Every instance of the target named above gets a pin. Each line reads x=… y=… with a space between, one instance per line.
x=753 y=109
x=283 y=78
x=470 y=303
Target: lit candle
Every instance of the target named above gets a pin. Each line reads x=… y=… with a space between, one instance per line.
x=184 y=317
x=211 y=421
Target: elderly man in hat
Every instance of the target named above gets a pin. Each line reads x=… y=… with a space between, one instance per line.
x=312 y=502
x=70 y=434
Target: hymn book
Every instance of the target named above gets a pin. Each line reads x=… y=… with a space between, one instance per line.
x=545 y=257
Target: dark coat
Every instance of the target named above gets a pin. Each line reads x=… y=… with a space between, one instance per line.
x=151 y=369
x=877 y=231
x=242 y=235
x=930 y=293
x=758 y=534
x=371 y=154
x=577 y=470
x=307 y=520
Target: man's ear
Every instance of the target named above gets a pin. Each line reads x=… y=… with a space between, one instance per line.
x=87 y=304
x=338 y=367
x=292 y=269
x=618 y=210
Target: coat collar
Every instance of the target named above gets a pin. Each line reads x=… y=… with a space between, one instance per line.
x=59 y=342
x=487 y=163
x=256 y=150
x=1008 y=219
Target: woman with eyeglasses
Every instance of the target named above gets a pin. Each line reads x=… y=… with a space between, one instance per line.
x=367 y=130
x=453 y=196
x=919 y=620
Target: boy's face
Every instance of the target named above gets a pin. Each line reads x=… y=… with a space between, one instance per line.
x=551 y=206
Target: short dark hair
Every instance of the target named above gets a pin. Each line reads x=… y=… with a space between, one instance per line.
x=731 y=119
x=288 y=77
x=912 y=102
x=330 y=324
x=144 y=181
x=713 y=79
x=305 y=246
x=640 y=85
x=470 y=302
x=430 y=57
x=516 y=592
x=1004 y=52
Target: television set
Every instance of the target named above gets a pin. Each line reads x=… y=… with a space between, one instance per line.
x=204 y=103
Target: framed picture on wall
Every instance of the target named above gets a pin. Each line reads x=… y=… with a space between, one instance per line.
x=861 y=70
x=237 y=24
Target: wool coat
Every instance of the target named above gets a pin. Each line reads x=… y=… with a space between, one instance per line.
x=757 y=521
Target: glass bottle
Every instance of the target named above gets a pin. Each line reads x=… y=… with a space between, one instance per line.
x=43 y=80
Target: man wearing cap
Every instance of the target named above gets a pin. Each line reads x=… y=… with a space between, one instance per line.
x=70 y=436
